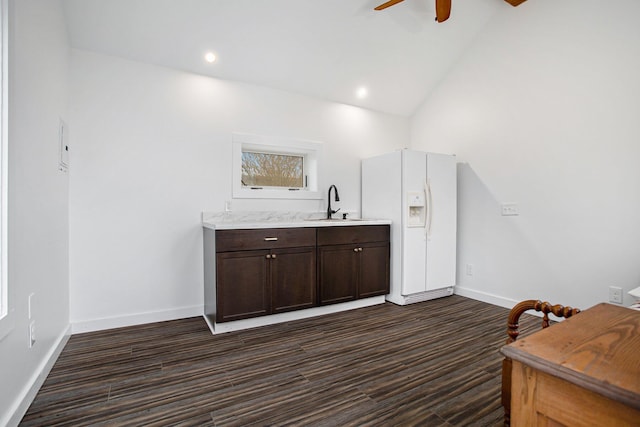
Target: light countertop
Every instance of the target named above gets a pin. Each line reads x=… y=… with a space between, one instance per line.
x=250 y=220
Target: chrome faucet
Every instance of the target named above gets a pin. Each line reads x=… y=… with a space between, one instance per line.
x=337 y=199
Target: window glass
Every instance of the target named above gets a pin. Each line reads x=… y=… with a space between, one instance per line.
x=272 y=170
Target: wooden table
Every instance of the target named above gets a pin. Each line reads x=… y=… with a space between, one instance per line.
x=584 y=371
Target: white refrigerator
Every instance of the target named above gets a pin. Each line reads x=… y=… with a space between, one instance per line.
x=417 y=191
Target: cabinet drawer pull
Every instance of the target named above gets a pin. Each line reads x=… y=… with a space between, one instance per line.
x=270 y=239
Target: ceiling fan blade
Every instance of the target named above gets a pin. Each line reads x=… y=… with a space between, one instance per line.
x=515 y=2
x=388 y=4
x=443 y=10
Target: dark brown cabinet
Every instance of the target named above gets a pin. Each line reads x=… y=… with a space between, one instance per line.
x=353 y=263
x=337 y=273
x=374 y=269
x=258 y=272
x=264 y=271
x=293 y=279
x=243 y=285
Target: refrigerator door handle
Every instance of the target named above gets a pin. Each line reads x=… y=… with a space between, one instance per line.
x=429 y=214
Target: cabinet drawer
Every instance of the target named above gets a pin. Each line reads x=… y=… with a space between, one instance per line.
x=352 y=234
x=264 y=238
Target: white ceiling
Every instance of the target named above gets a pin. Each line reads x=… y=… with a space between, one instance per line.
x=322 y=48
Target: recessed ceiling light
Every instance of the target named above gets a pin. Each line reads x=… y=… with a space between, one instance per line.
x=210 y=57
x=361 y=92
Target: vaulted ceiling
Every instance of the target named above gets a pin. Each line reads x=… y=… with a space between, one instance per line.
x=322 y=48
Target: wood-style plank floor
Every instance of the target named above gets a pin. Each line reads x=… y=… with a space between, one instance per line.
x=435 y=363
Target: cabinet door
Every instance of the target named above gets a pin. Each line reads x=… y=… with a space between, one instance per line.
x=293 y=279
x=242 y=285
x=374 y=270
x=337 y=273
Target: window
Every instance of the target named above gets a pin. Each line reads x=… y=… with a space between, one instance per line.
x=275 y=168
x=5 y=325
x=272 y=170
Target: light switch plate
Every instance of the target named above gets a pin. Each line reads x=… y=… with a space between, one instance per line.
x=30 y=305
x=510 y=209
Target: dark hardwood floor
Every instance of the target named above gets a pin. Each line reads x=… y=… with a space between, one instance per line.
x=435 y=363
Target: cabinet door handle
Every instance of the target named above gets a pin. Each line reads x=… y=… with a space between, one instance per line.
x=273 y=256
x=270 y=239
x=359 y=249
x=355 y=249
x=268 y=256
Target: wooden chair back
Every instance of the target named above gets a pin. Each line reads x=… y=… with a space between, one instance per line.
x=513 y=332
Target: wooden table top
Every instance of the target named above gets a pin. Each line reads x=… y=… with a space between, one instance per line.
x=598 y=349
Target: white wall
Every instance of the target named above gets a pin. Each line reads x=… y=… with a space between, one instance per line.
x=38 y=201
x=543 y=110
x=152 y=149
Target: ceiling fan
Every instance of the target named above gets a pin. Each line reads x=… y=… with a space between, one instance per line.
x=443 y=7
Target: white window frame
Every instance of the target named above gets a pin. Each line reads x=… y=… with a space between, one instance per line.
x=309 y=150
x=6 y=320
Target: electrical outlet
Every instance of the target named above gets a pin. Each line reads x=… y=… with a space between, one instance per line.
x=469 y=269
x=227 y=206
x=32 y=333
x=510 y=209
x=615 y=294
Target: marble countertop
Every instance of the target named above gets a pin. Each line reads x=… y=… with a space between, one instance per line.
x=246 y=220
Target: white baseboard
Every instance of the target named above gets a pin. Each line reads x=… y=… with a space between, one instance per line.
x=28 y=393
x=238 y=325
x=499 y=301
x=80 y=326
x=419 y=297
x=485 y=297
